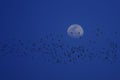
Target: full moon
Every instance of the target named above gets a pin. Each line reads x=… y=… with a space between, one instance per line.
x=75 y=31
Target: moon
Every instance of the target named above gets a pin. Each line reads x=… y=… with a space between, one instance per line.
x=75 y=31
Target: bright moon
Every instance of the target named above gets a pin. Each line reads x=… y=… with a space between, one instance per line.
x=75 y=31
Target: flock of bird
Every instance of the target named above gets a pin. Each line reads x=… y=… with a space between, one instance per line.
x=55 y=49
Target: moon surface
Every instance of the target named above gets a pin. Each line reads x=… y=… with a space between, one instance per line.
x=75 y=31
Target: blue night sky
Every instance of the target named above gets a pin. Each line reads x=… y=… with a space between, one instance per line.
x=34 y=44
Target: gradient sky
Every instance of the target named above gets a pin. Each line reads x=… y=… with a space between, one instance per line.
x=28 y=19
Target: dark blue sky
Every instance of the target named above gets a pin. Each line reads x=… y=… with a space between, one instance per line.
x=28 y=20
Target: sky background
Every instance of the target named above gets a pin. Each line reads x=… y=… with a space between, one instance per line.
x=29 y=20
